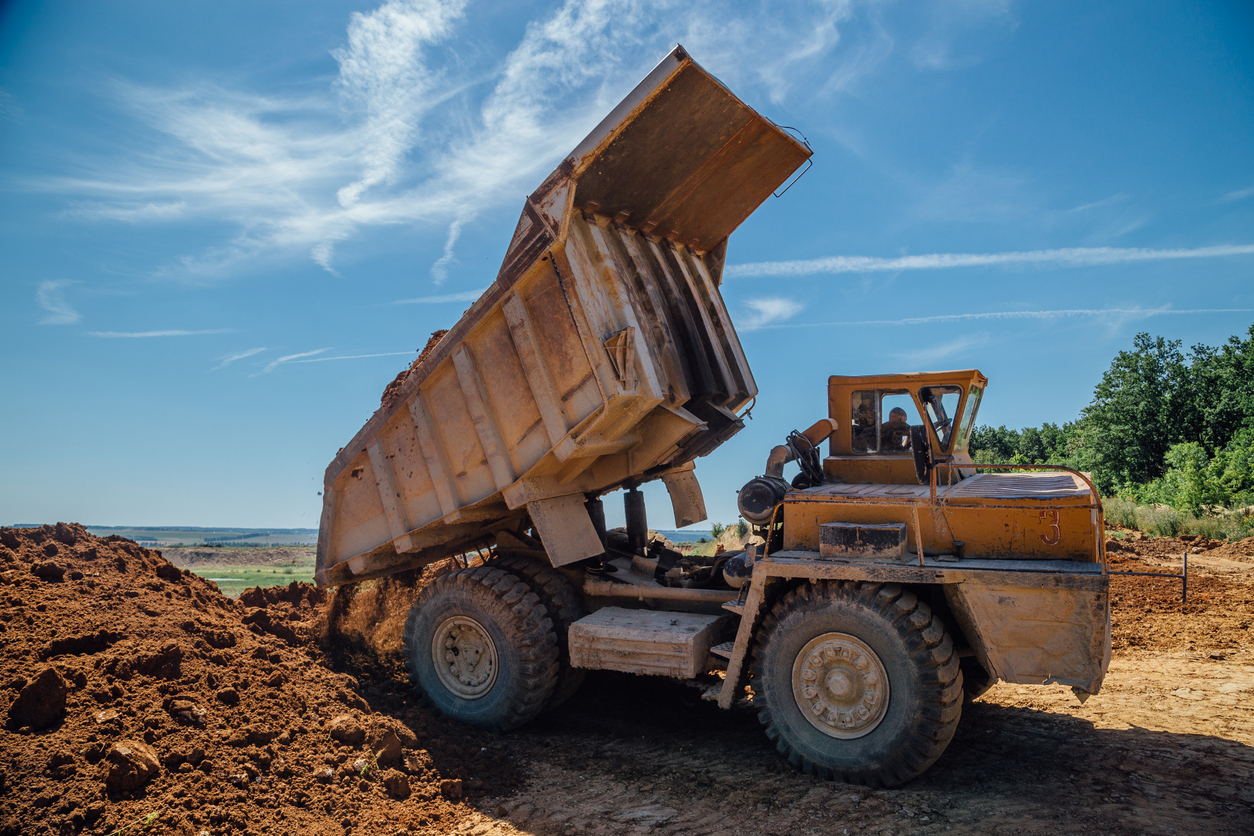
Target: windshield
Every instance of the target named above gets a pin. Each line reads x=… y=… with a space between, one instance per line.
x=941 y=404
x=967 y=423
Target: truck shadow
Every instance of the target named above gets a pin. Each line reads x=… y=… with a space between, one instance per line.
x=662 y=735
x=661 y=738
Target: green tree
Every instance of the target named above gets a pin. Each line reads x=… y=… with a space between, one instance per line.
x=993 y=444
x=1139 y=409
x=1220 y=392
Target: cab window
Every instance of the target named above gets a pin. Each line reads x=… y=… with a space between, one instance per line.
x=968 y=418
x=880 y=421
x=941 y=405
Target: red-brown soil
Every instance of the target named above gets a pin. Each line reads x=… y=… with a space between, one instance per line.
x=1150 y=613
x=235 y=700
x=393 y=390
x=1168 y=746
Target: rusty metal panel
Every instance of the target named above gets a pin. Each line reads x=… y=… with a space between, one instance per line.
x=690 y=162
x=863 y=541
x=997 y=520
x=603 y=354
x=565 y=528
x=687 y=501
x=1019 y=486
x=643 y=642
x=1034 y=636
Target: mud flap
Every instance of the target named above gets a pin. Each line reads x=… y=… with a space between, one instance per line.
x=1035 y=633
x=566 y=529
x=686 y=499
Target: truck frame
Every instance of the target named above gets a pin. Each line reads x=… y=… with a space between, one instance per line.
x=888 y=578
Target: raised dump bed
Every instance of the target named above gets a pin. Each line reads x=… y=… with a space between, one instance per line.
x=602 y=355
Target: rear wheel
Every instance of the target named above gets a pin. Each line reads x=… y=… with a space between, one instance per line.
x=565 y=607
x=481 y=648
x=857 y=682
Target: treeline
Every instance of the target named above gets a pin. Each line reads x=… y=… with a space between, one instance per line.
x=1165 y=426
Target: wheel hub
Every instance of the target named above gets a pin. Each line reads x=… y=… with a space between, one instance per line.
x=465 y=657
x=840 y=685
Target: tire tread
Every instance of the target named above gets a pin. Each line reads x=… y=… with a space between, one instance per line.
x=564 y=606
x=929 y=648
x=523 y=616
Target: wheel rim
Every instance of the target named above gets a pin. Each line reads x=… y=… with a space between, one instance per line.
x=840 y=685
x=465 y=657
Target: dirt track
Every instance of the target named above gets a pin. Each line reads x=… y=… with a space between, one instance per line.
x=1168 y=746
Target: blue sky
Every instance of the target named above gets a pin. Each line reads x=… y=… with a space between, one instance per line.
x=225 y=226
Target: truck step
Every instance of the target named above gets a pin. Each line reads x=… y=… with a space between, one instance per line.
x=724 y=649
x=643 y=641
x=734 y=607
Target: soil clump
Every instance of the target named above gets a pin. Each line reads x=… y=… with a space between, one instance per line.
x=393 y=390
x=137 y=694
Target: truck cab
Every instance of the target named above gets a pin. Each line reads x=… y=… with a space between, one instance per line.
x=874 y=413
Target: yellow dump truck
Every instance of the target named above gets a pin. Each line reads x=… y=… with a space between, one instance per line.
x=890 y=577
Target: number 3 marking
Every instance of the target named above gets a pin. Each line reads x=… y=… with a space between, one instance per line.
x=1055 y=533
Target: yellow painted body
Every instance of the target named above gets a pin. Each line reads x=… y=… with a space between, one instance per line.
x=1034 y=515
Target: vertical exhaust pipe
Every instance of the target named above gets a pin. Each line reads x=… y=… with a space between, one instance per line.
x=637 y=522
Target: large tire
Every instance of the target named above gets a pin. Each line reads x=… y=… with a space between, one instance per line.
x=481 y=648
x=820 y=666
x=565 y=607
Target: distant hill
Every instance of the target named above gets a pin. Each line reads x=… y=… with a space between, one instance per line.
x=157 y=536
x=193 y=536
x=686 y=536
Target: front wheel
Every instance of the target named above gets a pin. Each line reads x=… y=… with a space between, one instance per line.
x=857 y=682
x=481 y=648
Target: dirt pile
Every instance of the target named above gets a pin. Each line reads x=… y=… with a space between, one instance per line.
x=393 y=390
x=135 y=693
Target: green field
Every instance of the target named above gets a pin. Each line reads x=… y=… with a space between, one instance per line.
x=236 y=568
x=233 y=580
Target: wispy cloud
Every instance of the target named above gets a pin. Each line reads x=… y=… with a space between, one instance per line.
x=288 y=358
x=1133 y=313
x=226 y=361
x=355 y=357
x=9 y=108
x=137 y=213
x=1239 y=194
x=465 y=296
x=1072 y=257
x=50 y=295
x=312 y=357
x=149 y=334
x=937 y=353
x=303 y=175
x=1100 y=204
x=770 y=311
x=439 y=270
x=384 y=73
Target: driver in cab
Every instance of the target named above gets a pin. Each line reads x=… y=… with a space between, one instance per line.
x=895 y=432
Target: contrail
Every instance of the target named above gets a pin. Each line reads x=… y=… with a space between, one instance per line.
x=149 y=334
x=354 y=357
x=1070 y=257
x=921 y=320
